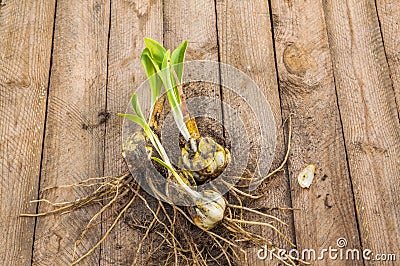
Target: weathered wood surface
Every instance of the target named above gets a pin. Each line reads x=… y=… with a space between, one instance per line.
x=25 y=52
x=74 y=139
x=333 y=64
x=241 y=25
x=369 y=118
x=307 y=89
x=131 y=21
x=389 y=22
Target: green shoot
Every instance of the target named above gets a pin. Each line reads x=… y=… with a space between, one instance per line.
x=151 y=68
x=156 y=49
x=177 y=59
x=173 y=98
x=136 y=106
x=164 y=161
x=140 y=120
x=192 y=193
x=156 y=59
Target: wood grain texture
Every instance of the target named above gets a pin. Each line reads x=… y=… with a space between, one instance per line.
x=308 y=90
x=25 y=50
x=389 y=22
x=245 y=42
x=200 y=29
x=370 y=120
x=73 y=145
x=338 y=70
x=131 y=21
x=201 y=32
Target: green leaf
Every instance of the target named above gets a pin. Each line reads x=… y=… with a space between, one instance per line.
x=136 y=119
x=157 y=65
x=150 y=134
x=136 y=106
x=193 y=193
x=166 y=60
x=172 y=170
x=158 y=160
x=157 y=50
x=142 y=123
x=173 y=96
x=166 y=77
x=161 y=60
x=177 y=59
x=151 y=69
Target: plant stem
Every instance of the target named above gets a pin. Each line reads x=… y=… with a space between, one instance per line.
x=156 y=112
x=175 y=105
x=189 y=120
x=194 y=194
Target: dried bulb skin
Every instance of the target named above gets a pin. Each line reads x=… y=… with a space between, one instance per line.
x=208 y=162
x=209 y=210
x=306 y=176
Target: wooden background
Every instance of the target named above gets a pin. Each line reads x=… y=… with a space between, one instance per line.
x=68 y=66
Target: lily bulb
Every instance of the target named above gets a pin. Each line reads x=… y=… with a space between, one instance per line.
x=209 y=210
x=207 y=162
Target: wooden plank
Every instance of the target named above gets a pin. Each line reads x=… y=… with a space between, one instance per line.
x=201 y=33
x=26 y=30
x=308 y=90
x=131 y=21
x=199 y=30
x=73 y=147
x=389 y=21
x=245 y=42
x=370 y=120
x=195 y=21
